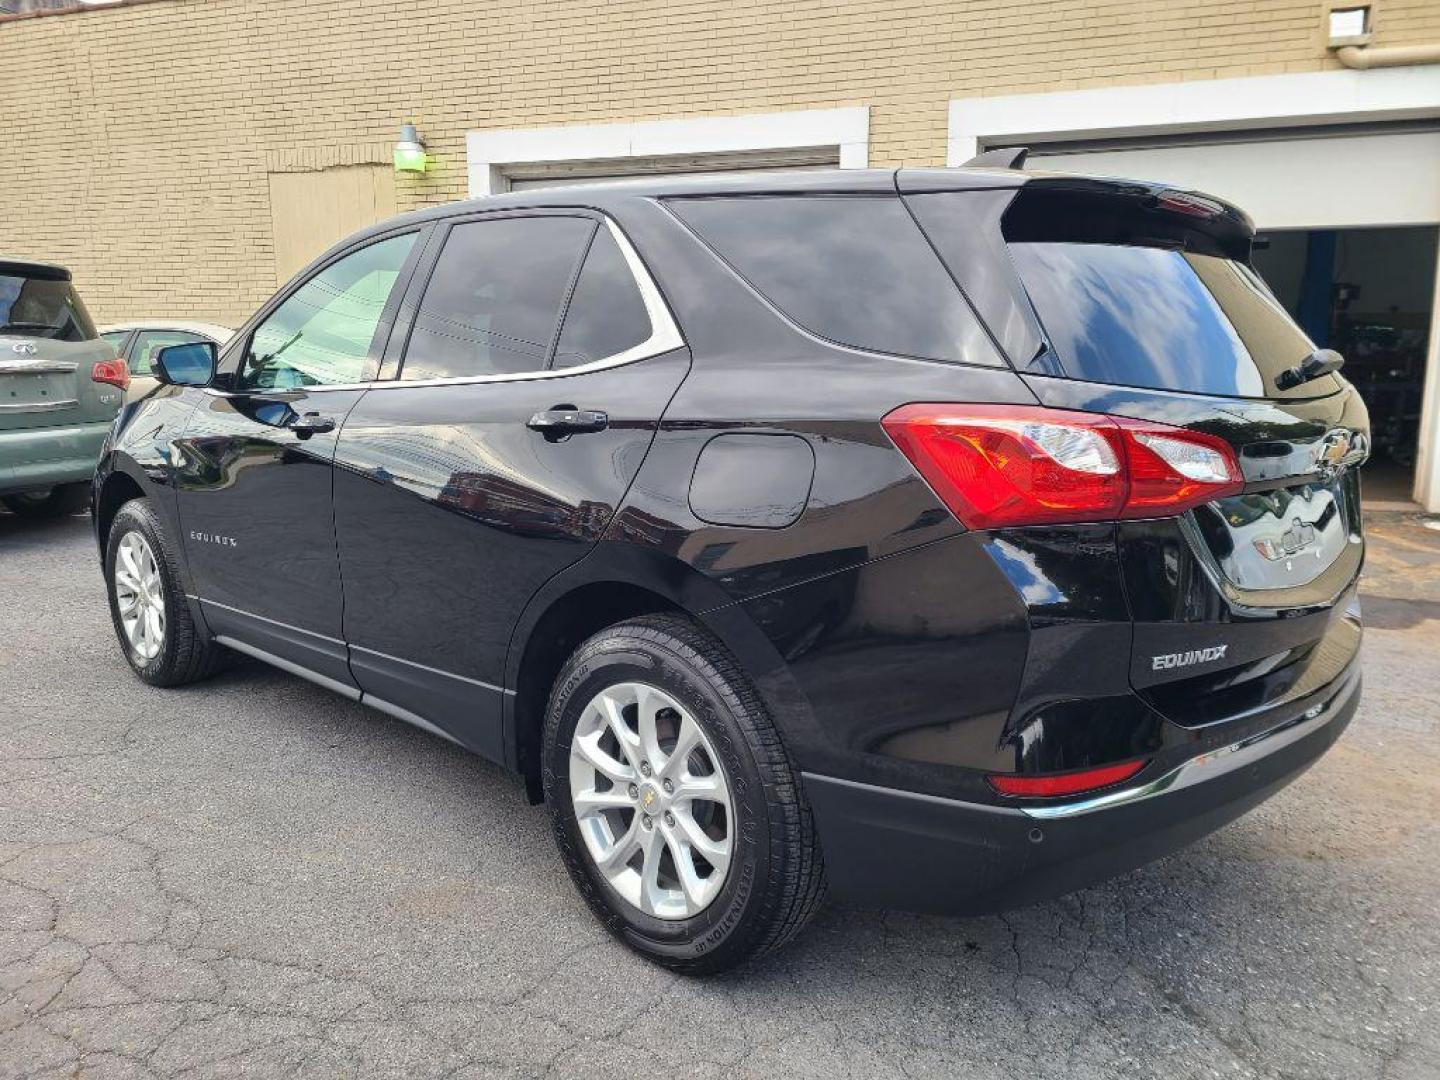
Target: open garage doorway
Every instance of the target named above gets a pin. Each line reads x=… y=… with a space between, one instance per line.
x=1369 y=294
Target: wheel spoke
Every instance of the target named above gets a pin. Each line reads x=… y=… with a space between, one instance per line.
x=707 y=788
x=127 y=556
x=685 y=741
x=126 y=580
x=588 y=747
x=694 y=887
x=620 y=852
x=611 y=708
x=716 y=852
x=651 y=895
x=647 y=705
x=592 y=801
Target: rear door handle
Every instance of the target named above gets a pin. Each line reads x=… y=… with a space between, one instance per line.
x=565 y=420
x=311 y=424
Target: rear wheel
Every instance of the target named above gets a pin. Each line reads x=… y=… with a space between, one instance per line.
x=675 y=806
x=59 y=501
x=147 y=604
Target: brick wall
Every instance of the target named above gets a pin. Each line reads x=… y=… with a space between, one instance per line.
x=139 y=137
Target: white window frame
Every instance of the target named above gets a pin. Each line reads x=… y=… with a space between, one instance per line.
x=1222 y=105
x=490 y=153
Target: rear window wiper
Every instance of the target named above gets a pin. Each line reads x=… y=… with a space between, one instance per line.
x=1320 y=362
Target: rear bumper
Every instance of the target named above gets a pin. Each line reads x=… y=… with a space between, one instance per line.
x=897 y=849
x=35 y=458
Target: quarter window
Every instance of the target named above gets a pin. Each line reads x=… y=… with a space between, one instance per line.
x=493 y=302
x=607 y=314
x=323 y=332
x=853 y=269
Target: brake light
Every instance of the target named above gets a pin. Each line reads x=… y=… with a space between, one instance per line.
x=1069 y=783
x=998 y=466
x=112 y=372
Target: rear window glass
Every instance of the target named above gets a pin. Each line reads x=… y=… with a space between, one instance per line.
x=1160 y=318
x=43 y=308
x=852 y=269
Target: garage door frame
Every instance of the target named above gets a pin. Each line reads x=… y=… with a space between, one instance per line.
x=1259 y=103
x=492 y=156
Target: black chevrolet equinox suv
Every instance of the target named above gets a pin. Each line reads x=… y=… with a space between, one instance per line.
x=949 y=538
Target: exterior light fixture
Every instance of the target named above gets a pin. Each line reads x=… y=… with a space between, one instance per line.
x=1348 y=24
x=409 y=151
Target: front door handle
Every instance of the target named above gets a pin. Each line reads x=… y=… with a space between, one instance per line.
x=311 y=424
x=565 y=420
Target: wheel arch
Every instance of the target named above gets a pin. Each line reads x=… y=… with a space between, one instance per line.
x=615 y=583
x=116 y=489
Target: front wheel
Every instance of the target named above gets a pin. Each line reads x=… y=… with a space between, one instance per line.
x=60 y=501
x=147 y=604
x=676 y=807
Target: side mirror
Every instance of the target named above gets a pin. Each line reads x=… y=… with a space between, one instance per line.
x=191 y=364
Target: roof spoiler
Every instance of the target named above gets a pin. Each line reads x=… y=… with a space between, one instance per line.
x=1005 y=157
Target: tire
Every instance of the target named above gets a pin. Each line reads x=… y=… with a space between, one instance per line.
x=184 y=652
x=60 y=501
x=775 y=879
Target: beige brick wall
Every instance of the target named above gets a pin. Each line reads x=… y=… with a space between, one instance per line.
x=138 y=139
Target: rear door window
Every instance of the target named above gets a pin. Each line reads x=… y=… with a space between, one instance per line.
x=493 y=302
x=852 y=269
x=607 y=314
x=1161 y=318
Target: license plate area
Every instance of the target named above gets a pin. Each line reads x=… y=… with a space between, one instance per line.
x=44 y=390
x=1278 y=539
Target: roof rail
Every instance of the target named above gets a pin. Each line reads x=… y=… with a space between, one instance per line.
x=1005 y=157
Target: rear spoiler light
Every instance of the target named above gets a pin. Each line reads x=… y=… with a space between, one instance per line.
x=1002 y=466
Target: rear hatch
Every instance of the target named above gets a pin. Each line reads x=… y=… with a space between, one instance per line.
x=1139 y=301
x=48 y=349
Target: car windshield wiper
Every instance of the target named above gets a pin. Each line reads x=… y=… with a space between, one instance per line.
x=1320 y=362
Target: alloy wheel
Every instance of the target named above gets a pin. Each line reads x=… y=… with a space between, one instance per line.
x=140 y=596
x=652 y=801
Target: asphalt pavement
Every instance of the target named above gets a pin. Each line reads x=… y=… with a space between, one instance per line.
x=252 y=877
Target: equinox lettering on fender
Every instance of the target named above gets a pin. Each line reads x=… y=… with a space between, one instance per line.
x=1185 y=659
x=212 y=538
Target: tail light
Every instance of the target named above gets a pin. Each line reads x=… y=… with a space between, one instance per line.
x=997 y=466
x=112 y=372
x=1067 y=783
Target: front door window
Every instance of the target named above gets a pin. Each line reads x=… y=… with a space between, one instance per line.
x=321 y=335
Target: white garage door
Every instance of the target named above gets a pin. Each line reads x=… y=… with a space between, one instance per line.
x=1340 y=181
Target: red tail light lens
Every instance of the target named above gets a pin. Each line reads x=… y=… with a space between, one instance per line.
x=999 y=466
x=1069 y=783
x=111 y=372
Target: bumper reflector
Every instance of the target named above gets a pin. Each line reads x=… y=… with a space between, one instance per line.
x=1069 y=783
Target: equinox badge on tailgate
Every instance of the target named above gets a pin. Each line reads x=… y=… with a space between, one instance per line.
x=1185 y=659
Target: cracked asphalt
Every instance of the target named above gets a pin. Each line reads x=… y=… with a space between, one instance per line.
x=252 y=877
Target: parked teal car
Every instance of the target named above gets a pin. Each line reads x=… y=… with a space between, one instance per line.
x=61 y=387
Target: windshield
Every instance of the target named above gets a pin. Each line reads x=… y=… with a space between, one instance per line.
x=44 y=308
x=1162 y=318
